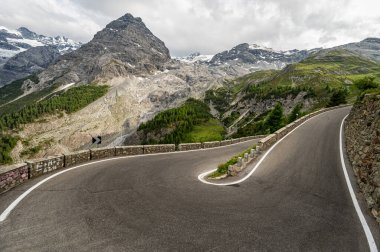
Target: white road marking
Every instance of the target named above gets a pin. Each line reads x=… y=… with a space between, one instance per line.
x=14 y=204
x=367 y=230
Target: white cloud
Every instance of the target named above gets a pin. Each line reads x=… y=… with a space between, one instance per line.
x=206 y=26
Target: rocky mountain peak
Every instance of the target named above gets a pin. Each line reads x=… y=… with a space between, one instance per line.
x=26 y=33
x=124 y=47
x=124 y=21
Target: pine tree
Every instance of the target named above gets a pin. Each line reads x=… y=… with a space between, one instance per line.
x=275 y=118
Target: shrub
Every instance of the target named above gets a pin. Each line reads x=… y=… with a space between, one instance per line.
x=338 y=97
x=365 y=83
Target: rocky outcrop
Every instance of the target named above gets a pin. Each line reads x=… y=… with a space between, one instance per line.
x=362 y=133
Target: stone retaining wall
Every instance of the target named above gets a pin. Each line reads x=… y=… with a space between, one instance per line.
x=189 y=146
x=235 y=141
x=129 y=150
x=207 y=145
x=38 y=167
x=225 y=142
x=362 y=135
x=77 y=158
x=12 y=176
x=101 y=153
x=266 y=142
x=159 y=148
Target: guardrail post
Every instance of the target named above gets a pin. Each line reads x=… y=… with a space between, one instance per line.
x=253 y=152
x=230 y=170
x=245 y=157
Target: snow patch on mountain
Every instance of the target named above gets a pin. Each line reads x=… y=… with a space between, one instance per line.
x=195 y=57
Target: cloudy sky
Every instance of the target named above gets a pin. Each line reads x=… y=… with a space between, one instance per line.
x=207 y=26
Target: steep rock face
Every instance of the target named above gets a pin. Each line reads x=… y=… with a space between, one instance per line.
x=125 y=47
x=362 y=133
x=28 y=62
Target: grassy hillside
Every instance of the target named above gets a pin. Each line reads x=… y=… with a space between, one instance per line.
x=191 y=122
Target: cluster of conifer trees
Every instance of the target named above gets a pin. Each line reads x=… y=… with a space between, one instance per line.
x=177 y=121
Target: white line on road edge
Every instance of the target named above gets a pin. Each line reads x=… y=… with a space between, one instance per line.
x=9 y=209
x=201 y=177
x=367 y=230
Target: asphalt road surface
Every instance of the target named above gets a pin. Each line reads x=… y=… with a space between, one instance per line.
x=296 y=201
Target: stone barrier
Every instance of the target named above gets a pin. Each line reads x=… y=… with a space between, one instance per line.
x=207 y=145
x=12 y=176
x=235 y=141
x=41 y=166
x=159 y=148
x=129 y=150
x=266 y=142
x=76 y=158
x=292 y=126
x=189 y=146
x=225 y=142
x=282 y=132
x=101 y=153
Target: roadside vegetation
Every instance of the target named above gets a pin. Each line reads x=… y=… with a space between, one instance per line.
x=367 y=85
x=223 y=168
x=7 y=143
